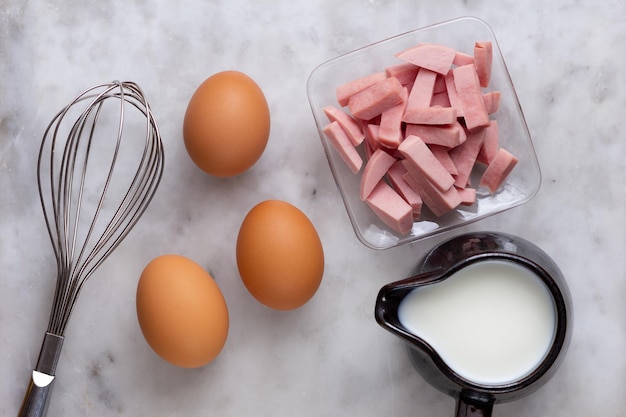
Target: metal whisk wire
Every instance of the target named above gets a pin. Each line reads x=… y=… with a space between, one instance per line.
x=62 y=209
x=82 y=235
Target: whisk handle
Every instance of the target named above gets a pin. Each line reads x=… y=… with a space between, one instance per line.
x=35 y=403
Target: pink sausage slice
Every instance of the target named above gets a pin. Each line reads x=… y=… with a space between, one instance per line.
x=375 y=99
x=430 y=115
x=396 y=178
x=422 y=91
x=404 y=72
x=453 y=96
x=445 y=135
x=437 y=58
x=441 y=99
x=468 y=196
x=347 y=123
x=440 y=84
x=470 y=97
x=443 y=155
x=464 y=157
x=390 y=131
x=498 y=170
x=490 y=144
x=462 y=59
x=422 y=160
x=391 y=208
x=371 y=137
x=346 y=90
x=492 y=101
x=375 y=169
x=340 y=141
x=439 y=202
x=483 y=55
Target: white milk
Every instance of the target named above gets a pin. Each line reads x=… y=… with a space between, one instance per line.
x=492 y=322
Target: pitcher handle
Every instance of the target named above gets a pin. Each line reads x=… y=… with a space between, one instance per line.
x=472 y=407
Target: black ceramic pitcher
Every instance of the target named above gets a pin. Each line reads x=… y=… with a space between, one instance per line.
x=477 y=399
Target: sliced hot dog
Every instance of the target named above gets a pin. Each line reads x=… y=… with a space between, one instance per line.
x=470 y=97
x=375 y=169
x=347 y=122
x=437 y=58
x=445 y=135
x=396 y=178
x=439 y=202
x=443 y=156
x=404 y=72
x=483 y=55
x=340 y=141
x=430 y=115
x=492 y=101
x=346 y=90
x=498 y=170
x=421 y=159
x=390 y=130
x=391 y=208
x=490 y=144
x=372 y=101
x=422 y=90
x=464 y=157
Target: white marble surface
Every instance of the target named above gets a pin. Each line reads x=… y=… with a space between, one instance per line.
x=328 y=358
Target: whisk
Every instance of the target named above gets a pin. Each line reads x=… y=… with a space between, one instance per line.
x=94 y=184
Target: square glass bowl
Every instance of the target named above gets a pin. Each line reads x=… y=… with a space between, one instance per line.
x=460 y=34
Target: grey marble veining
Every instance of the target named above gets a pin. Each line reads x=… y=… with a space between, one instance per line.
x=328 y=358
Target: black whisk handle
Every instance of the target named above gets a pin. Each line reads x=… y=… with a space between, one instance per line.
x=35 y=403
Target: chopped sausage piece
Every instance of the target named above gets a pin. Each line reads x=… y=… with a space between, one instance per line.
x=347 y=123
x=470 y=97
x=404 y=72
x=390 y=131
x=439 y=202
x=498 y=170
x=391 y=208
x=372 y=101
x=492 y=101
x=468 y=196
x=483 y=55
x=396 y=178
x=462 y=59
x=346 y=90
x=421 y=159
x=445 y=135
x=375 y=169
x=464 y=157
x=490 y=144
x=430 y=115
x=422 y=91
x=441 y=99
x=340 y=141
x=437 y=58
x=453 y=96
x=440 y=85
x=371 y=137
x=443 y=156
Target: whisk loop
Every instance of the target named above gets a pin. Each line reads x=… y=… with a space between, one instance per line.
x=94 y=184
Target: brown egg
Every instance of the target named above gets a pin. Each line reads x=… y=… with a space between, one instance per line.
x=181 y=311
x=279 y=255
x=227 y=124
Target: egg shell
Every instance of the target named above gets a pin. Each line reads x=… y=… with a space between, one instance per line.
x=279 y=255
x=181 y=311
x=227 y=124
